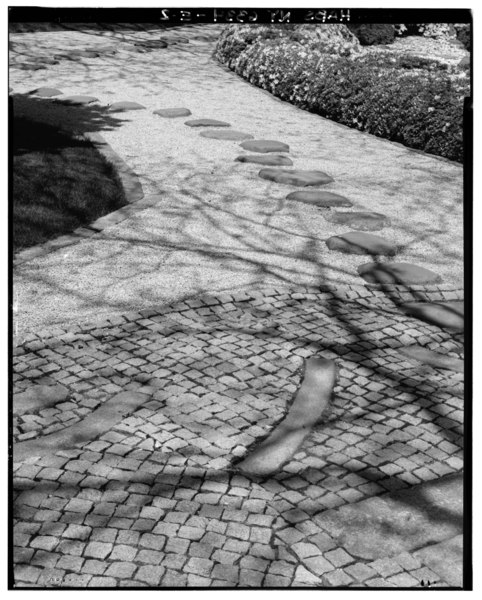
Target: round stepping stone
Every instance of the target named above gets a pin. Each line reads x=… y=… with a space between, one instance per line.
x=397 y=274
x=363 y=221
x=46 y=92
x=432 y=358
x=125 y=105
x=273 y=159
x=449 y=315
x=357 y=242
x=299 y=178
x=226 y=135
x=171 y=113
x=319 y=198
x=265 y=146
x=79 y=99
x=206 y=123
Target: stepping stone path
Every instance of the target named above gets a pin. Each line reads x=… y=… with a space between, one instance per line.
x=273 y=159
x=432 y=358
x=206 y=123
x=46 y=92
x=357 y=242
x=397 y=274
x=312 y=400
x=171 y=113
x=79 y=99
x=363 y=221
x=125 y=105
x=319 y=198
x=226 y=135
x=448 y=315
x=39 y=397
x=299 y=178
x=265 y=146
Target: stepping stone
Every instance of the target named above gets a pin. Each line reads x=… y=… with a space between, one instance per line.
x=79 y=99
x=226 y=135
x=357 y=242
x=363 y=221
x=273 y=159
x=311 y=402
x=170 y=113
x=125 y=105
x=106 y=50
x=397 y=274
x=299 y=178
x=31 y=67
x=449 y=315
x=39 y=397
x=206 y=123
x=48 y=61
x=432 y=358
x=151 y=44
x=319 y=198
x=265 y=146
x=46 y=92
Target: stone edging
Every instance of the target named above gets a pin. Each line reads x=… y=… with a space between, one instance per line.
x=133 y=192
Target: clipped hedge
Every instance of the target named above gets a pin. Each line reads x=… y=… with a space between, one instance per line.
x=410 y=100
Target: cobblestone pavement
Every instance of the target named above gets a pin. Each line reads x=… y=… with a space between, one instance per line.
x=156 y=499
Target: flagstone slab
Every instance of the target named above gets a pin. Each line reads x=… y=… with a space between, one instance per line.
x=270 y=159
x=397 y=274
x=432 y=358
x=226 y=135
x=296 y=177
x=449 y=315
x=79 y=99
x=358 y=242
x=39 y=397
x=124 y=106
x=206 y=123
x=171 y=113
x=46 y=92
x=320 y=198
x=265 y=146
x=363 y=221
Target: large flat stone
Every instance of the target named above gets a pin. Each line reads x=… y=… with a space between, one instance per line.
x=432 y=358
x=39 y=397
x=397 y=274
x=449 y=315
x=171 y=113
x=363 y=221
x=319 y=198
x=125 y=105
x=225 y=135
x=446 y=559
x=265 y=146
x=402 y=521
x=358 y=242
x=79 y=99
x=268 y=159
x=46 y=92
x=296 y=177
x=206 y=123
x=311 y=401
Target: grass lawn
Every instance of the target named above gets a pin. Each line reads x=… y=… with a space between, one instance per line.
x=59 y=183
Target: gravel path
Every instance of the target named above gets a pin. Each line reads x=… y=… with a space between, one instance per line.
x=218 y=225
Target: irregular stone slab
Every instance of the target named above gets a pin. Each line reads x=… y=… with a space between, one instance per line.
x=432 y=358
x=39 y=397
x=449 y=315
x=273 y=159
x=31 y=67
x=152 y=44
x=311 y=401
x=357 y=242
x=265 y=146
x=299 y=178
x=319 y=198
x=401 y=521
x=206 y=123
x=46 y=92
x=397 y=274
x=125 y=105
x=106 y=49
x=226 y=135
x=363 y=221
x=79 y=99
x=171 y=113
x=99 y=421
x=446 y=559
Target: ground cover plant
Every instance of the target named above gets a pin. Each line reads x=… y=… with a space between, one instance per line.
x=409 y=99
x=59 y=183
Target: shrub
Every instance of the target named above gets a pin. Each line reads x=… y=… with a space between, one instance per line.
x=409 y=99
x=369 y=34
x=462 y=32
